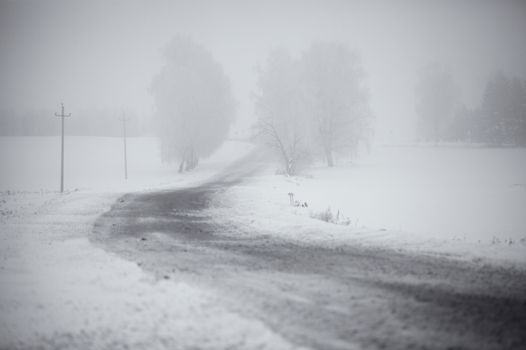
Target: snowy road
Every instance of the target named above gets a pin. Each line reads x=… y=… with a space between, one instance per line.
x=318 y=297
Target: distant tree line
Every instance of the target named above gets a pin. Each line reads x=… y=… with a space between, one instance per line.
x=499 y=120
x=82 y=123
x=314 y=106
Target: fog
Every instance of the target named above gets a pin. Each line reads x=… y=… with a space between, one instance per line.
x=272 y=174
x=104 y=54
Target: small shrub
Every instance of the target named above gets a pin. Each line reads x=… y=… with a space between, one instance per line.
x=327 y=216
x=342 y=219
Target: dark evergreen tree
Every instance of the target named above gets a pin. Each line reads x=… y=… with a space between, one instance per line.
x=503 y=110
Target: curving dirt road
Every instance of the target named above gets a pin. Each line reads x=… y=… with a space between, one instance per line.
x=321 y=298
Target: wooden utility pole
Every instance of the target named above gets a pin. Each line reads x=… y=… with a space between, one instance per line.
x=124 y=120
x=62 y=115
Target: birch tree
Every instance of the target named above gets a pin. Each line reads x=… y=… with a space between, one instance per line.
x=336 y=98
x=280 y=111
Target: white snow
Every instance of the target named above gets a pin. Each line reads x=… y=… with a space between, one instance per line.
x=465 y=202
x=60 y=291
x=97 y=163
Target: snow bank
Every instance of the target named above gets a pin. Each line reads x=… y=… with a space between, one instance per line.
x=463 y=202
x=59 y=291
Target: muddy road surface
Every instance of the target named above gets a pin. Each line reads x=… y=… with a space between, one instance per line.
x=320 y=298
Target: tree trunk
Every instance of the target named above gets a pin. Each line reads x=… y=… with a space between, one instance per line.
x=286 y=164
x=181 y=166
x=183 y=161
x=328 y=156
x=192 y=160
x=291 y=168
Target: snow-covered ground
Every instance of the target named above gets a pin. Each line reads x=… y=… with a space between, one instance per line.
x=57 y=290
x=96 y=163
x=467 y=202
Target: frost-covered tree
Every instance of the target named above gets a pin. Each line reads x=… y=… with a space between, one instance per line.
x=314 y=105
x=336 y=98
x=282 y=123
x=194 y=103
x=436 y=102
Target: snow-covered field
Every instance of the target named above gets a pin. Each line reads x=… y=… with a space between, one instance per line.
x=95 y=163
x=57 y=290
x=465 y=201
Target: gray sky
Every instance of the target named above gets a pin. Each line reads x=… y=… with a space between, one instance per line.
x=104 y=54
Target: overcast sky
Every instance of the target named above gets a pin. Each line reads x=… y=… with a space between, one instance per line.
x=104 y=54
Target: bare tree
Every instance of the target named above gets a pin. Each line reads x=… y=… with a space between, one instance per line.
x=281 y=119
x=317 y=102
x=194 y=103
x=336 y=98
